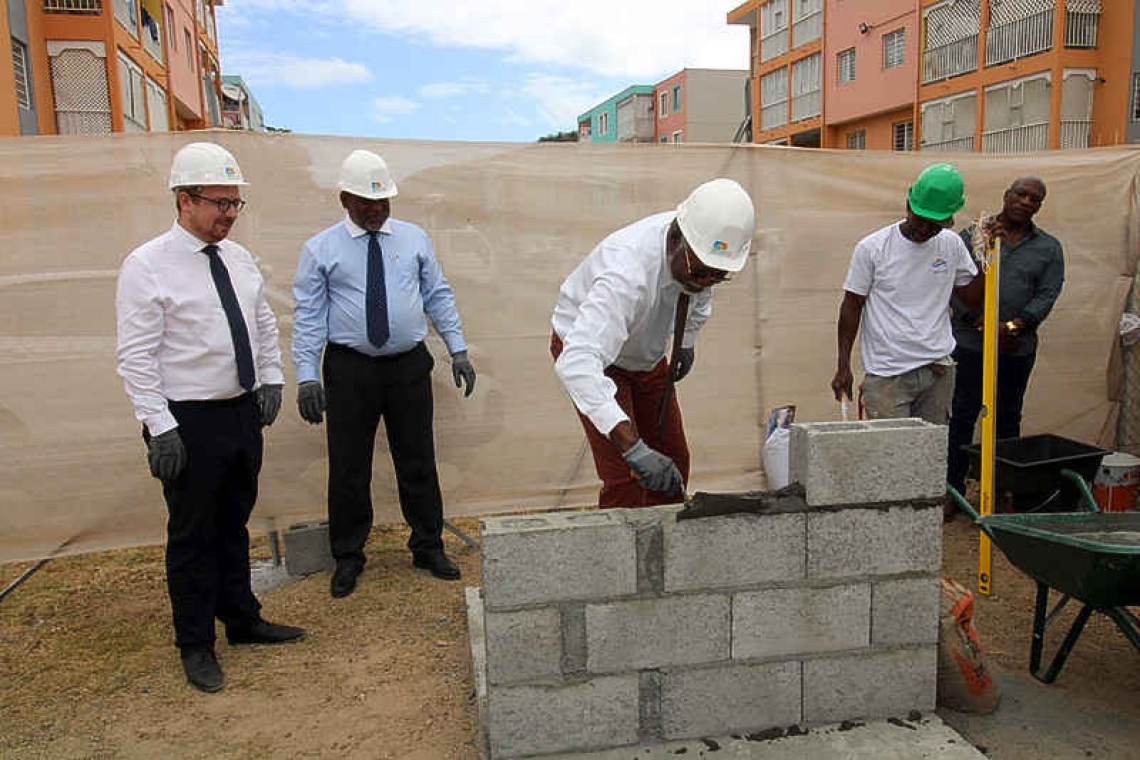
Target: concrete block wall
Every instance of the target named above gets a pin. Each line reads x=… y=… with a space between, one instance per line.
x=610 y=628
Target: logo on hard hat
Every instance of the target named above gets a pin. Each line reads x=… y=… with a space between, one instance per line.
x=231 y=172
x=720 y=245
x=377 y=186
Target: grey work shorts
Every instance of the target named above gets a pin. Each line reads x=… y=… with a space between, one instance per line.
x=924 y=392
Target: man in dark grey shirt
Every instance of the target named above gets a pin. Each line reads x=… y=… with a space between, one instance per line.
x=1031 y=274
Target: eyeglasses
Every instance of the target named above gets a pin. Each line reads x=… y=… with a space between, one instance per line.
x=701 y=273
x=224 y=204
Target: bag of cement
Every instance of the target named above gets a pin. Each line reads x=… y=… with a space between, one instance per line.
x=964 y=681
x=776 y=446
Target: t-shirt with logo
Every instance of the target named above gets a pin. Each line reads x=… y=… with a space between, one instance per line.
x=906 y=317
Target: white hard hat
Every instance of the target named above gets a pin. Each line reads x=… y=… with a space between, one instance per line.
x=717 y=220
x=365 y=174
x=204 y=163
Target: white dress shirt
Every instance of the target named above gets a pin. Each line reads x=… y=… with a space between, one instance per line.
x=617 y=308
x=173 y=337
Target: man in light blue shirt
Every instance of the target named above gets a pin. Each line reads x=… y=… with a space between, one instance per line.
x=364 y=289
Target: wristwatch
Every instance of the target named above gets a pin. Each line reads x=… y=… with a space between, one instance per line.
x=1011 y=326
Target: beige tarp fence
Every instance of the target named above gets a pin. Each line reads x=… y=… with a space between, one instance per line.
x=509 y=221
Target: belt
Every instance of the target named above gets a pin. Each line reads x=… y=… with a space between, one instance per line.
x=340 y=348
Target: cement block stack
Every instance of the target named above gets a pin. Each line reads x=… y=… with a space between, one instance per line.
x=603 y=629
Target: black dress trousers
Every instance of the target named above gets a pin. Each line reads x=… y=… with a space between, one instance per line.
x=207 y=547
x=361 y=390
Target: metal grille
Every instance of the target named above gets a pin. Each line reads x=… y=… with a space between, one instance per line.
x=903 y=137
x=774 y=99
x=857 y=140
x=1081 y=22
x=73 y=6
x=156 y=106
x=1016 y=139
x=1024 y=36
x=807 y=80
x=82 y=103
x=1008 y=11
x=952 y=22
x=845 y=65
x=773 y=29
x=20 y=69
x=894 y=48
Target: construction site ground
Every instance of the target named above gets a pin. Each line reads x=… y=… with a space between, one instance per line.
x=88 y=670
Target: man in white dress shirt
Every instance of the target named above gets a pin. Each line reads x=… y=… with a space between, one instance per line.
x=198 y=354
x=612 y=323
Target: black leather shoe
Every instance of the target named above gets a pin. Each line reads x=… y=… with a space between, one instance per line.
x=438 y=565
x=202 y=669
x=264 y=632
x=344 y=579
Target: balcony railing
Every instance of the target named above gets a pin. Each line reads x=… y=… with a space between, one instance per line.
x=950 y=60
x=152 y=36
x=953 y=145
x=774 y=44
x=1075 y=133
x=1080 y=29
x=91 y=7
x=127 y=13
x=1022 y=139
x=807 y=29
x=774 y=115
x=806 y=106
x=1018 y=39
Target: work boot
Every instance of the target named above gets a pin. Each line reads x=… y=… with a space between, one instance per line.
x=264 y=632
x=437 y=564
x=202 y=669
x=344 y=578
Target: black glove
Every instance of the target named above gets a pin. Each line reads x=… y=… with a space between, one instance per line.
x=463 y=372
x=684 y=363
x=654 y=470
x=166 y=455
x=311 y=401
x=268 y=399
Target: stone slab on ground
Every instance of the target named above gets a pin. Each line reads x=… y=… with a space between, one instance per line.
x=896 y=739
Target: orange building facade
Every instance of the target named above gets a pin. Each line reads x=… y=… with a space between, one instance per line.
x=98 y=66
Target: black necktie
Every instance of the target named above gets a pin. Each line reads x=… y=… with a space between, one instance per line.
x=238 y=331
x=375 y=296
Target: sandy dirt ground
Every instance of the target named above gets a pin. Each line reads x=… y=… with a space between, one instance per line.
x=87 y=669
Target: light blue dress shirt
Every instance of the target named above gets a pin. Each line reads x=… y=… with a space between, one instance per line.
x=330 y=285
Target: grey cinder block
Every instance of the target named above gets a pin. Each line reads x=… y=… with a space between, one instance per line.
x=654 y=633
x=523 y=645
x=537 y=720
x=732 y=551
x=880 y=685
x=732 y=699
x=905 y=611
x=307 y=548
x=868 y=461
x=859 y=542
x=782 y=622
x=539 y=559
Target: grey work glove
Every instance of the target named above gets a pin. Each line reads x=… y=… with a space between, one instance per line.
x=463 y=372
x=654 y=470
x=166 y=455
x=311 y=401
x=685 y=360
x=268 y=399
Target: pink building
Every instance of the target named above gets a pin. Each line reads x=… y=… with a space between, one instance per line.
x=699 y=105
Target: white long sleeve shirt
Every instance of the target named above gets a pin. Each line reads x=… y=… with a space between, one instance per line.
x=617 y=308
x=173 y=337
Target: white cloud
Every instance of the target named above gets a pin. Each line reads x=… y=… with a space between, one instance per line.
x=465 y=86
x=385 y=109
x=559 y=99
x=292 y=71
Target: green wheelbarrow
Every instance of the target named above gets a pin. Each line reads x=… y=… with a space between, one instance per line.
x=1092 y=556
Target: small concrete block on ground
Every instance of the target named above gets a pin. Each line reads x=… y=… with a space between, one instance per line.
x=535 y=720
x=860 y=542
x=539 y=559
x=733 y=699
x=523 y=645
x=654 y=633
x=733 y=551
x=307 y=548
x=866 y=686
x=868 y=461
x=905 y=611
x=789 y=621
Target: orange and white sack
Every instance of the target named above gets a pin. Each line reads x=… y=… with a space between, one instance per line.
x=964 y=681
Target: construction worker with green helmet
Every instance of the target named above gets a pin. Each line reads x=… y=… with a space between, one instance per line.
x=901 y=278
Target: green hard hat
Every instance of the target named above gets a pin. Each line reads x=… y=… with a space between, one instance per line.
x=938 y=193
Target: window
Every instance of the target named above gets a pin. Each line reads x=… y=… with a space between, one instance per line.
x=170 y=29
x=20 y=68
x=845 y=65
x=664 y=138
x=603 y=123
x=131 y=92
x=894 y=47
x=189 y=46
x=903 y=135
x=1136 y=97
x=664 y=104
x=676 y=98
x=857 y=140
x=677 y=137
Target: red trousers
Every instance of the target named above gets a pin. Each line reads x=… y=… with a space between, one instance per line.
x=639 y=394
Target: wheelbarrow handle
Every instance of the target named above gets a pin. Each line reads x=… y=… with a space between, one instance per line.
x=968 y=508
x=1086 y=494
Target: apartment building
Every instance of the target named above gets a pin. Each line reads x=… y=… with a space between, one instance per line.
x=699 y=105
x=240 y=109
x=625 y=117
x=98 y=66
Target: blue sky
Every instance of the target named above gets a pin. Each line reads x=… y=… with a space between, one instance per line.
x=492 y=70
